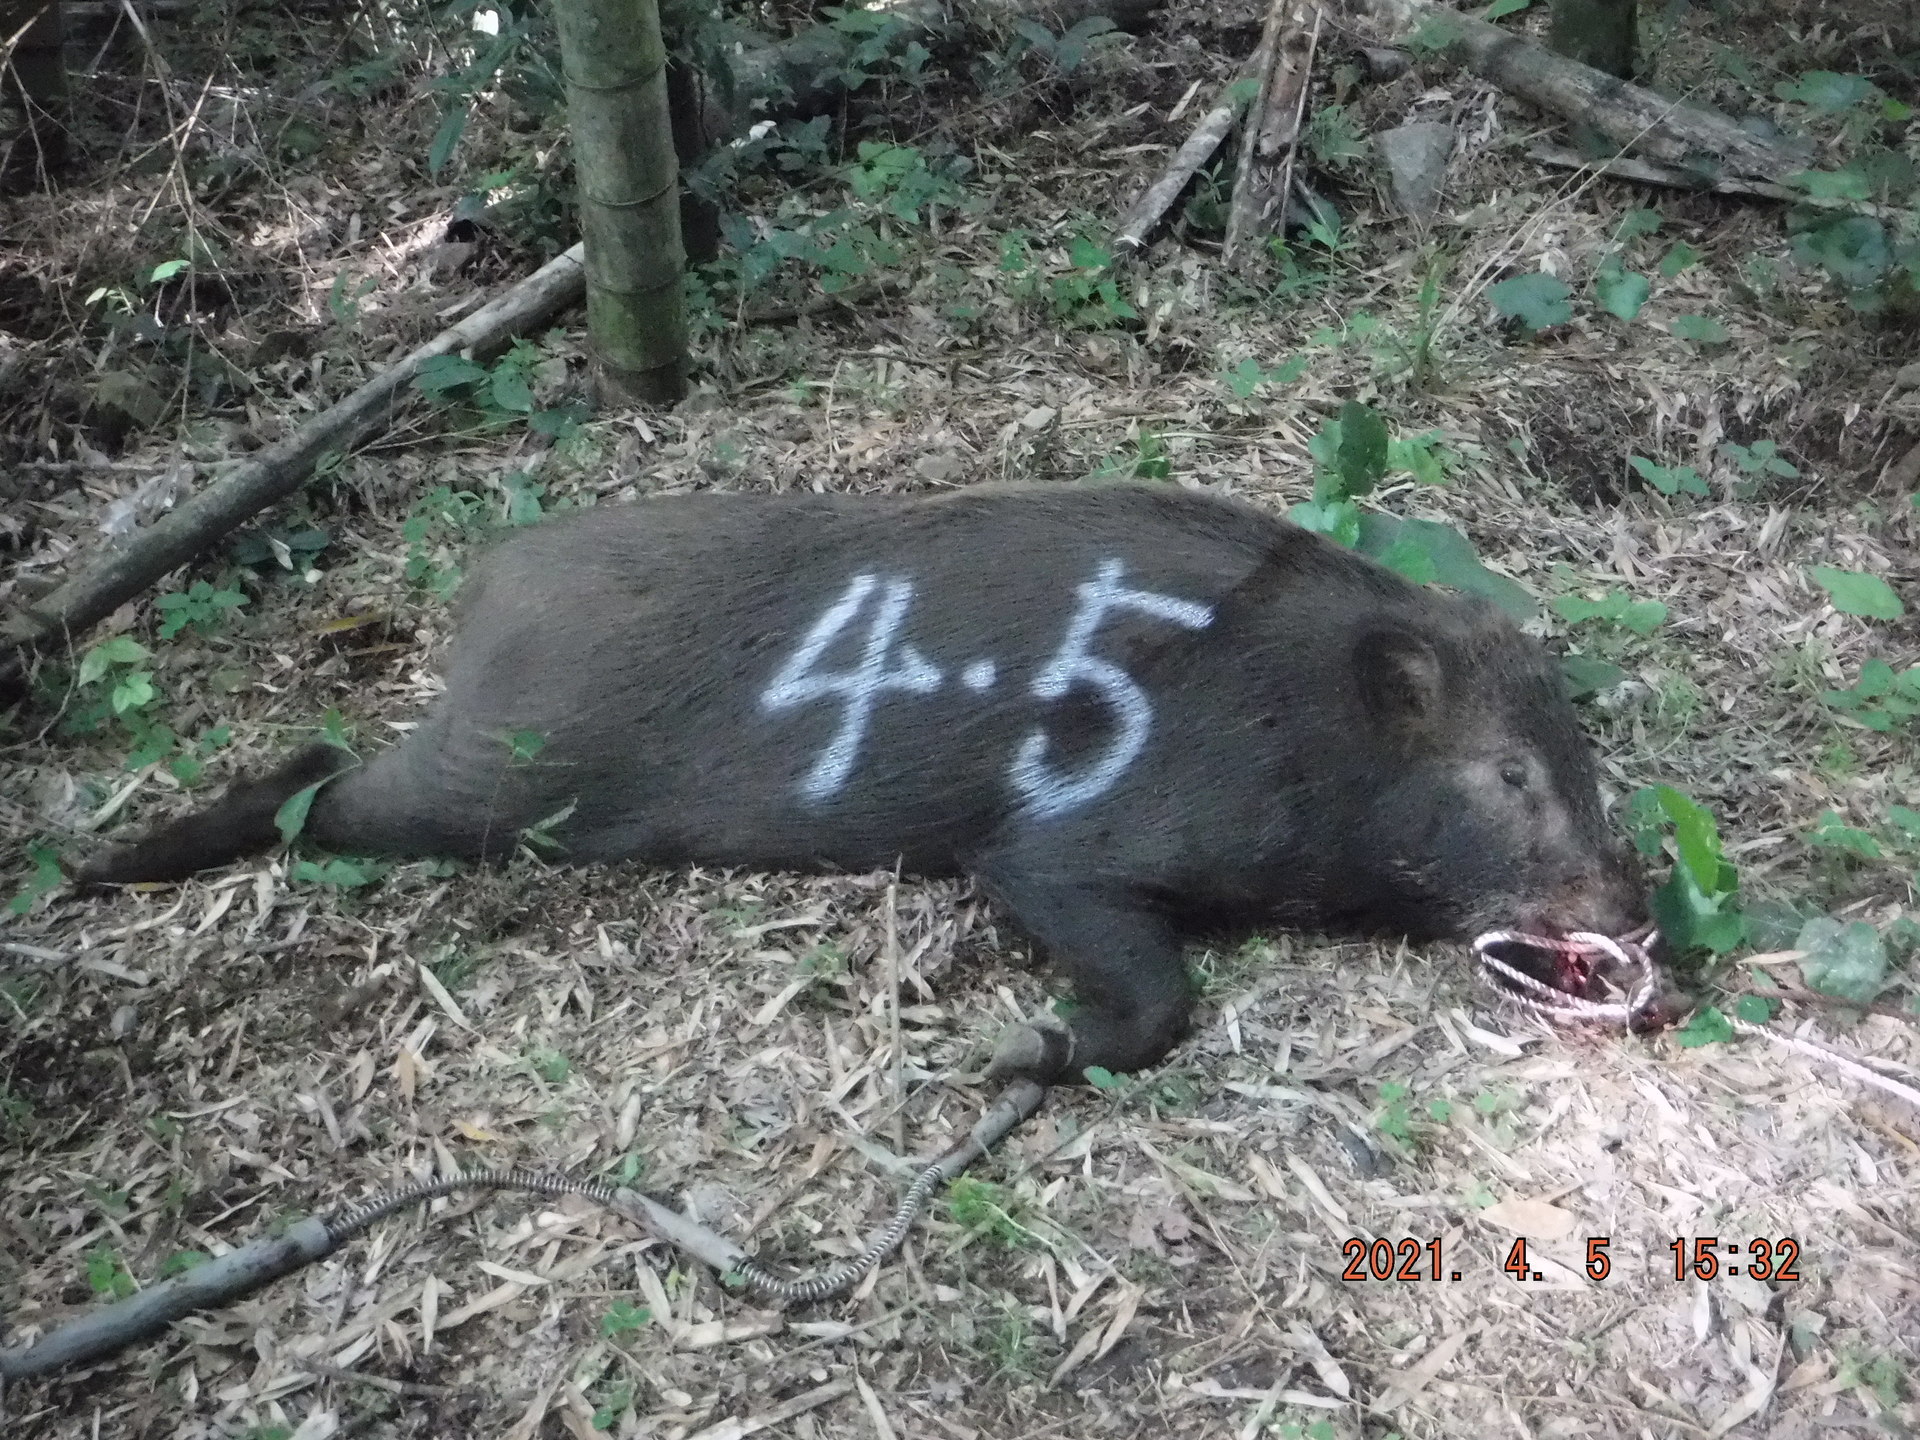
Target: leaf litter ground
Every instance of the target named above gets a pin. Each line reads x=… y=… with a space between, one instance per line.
x=186 y=1066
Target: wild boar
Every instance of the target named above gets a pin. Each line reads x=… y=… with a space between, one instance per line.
x=1132 y=713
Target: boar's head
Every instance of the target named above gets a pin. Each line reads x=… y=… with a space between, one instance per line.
x=1487 y=813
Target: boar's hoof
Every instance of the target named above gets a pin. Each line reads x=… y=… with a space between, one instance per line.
x=1040 y=1050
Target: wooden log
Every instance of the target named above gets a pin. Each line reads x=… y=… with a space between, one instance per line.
x=1688 y=136
x=1645 y=172
x=118 y=573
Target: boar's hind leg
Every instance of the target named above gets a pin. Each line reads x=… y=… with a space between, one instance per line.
x=1125 y=964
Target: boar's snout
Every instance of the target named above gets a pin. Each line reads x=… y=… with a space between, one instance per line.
x=1606 y=895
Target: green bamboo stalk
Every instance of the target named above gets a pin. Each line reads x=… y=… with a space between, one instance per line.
x=629 y=183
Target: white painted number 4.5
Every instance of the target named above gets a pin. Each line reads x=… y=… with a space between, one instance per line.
x=1047 y=792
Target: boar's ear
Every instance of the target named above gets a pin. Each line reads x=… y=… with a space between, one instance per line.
x=1399 y=677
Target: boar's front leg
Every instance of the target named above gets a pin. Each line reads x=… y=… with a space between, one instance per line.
x=1124 y=960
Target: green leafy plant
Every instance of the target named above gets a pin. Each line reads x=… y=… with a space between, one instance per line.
x=985 y=1209
x=1145 y=459
x=1680 y=258
x=291 y=818
x=1084 y=293
x=1589 y=675
x=1535 y=302
x=1616 y=607
x=1760 y=460
x=46 y=877
x=1394 y=1116
x=1882 y=698
x=291 y=549
x=623 y=1317
x=1620 y=291
x=498 y=394
x=338 y=872
x=1352 y=454
x=614 y=1402
x=181 y=1261
x=436 y=521
x=107 y=1275
x=1698 y=907
x=1706 y=1026
x=202 y=606
x=1066 y=51
x=1318 y=251
x=1249 y=375
x=117 y=689
x=1830 y=832
x=1336 y=139
x=129 y=688
x=1668 y=479
x=898 y=179
x=1854 y=592
x=877 y=36
x=1701 y=329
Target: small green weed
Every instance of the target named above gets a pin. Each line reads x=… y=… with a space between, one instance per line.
x=107 y=1275
x=1336 y=139
x=1065 y=52
x=1147 y=459
x=1352 y=454
x=1249 y=376
x=437 y=521
x=1616 y=607
x=499 y=394
x=202 y=607
x=1083 y=294
x=1668 y=479
x=623 y=1317
x=46 y=877
x=985 y=1209
x=1010 y=1342
x=1882 y=698
x=1394 y=1117
x=338 y=872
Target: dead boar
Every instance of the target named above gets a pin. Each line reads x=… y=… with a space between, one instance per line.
x=1132 y=713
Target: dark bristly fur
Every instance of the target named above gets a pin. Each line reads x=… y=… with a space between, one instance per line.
x=1338 y=748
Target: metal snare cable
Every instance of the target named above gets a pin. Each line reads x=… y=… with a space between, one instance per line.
x=240 y=1272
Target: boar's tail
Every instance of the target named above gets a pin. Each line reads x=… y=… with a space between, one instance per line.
x=240 y=822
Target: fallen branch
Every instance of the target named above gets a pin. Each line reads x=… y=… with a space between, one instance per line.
x=1685 y=135
x=1265 y=171
x=279 y=470
x=1645 y=172
x=1146 y=213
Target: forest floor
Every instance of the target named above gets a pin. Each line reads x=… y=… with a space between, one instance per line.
x=182 y=1066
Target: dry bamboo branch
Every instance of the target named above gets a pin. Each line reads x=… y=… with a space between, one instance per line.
x=1273 y=130
x=1146 y=213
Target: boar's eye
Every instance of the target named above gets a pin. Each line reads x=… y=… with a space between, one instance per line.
x=1514 y=774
